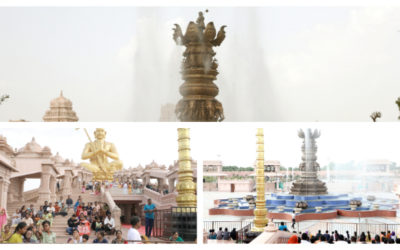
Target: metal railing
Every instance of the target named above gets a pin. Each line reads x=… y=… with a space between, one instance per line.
x=241 y=227
x=164 y=222
x=342 y=227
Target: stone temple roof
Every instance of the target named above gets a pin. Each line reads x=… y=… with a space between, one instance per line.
x=31 y=147
x=4 y=146
x=60 y=111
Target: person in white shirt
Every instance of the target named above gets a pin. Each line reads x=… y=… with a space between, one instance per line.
x=109 y=224
x=293 y=219
x=16 y=218
x=133 y=233
x=125 y=188
x=27 y=219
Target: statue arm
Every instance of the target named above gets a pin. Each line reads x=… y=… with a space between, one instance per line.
x=113 y=154
x=87 y=152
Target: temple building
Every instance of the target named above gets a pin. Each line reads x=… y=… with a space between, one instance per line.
x=232 y=179
x=60 y=111
x=152 y=181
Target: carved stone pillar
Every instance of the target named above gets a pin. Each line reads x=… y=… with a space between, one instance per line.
x=161 y=184
x=53 y=189
x=44 y=189
x=21 y=189
x=3 y=192
x=67 y=187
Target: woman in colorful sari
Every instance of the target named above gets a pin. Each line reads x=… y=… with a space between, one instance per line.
x=3 y=219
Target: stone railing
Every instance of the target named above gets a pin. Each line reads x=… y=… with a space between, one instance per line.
x=169 y=200
x=31 y=194
x=115 y=210
x=155 y=196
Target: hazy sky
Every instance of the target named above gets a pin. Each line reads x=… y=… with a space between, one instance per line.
x=276 y=64
x=233 y=144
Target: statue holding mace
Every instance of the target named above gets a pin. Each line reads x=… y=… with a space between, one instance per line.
x=98 y=152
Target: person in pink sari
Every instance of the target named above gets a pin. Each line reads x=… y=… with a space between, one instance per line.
x=3 y=218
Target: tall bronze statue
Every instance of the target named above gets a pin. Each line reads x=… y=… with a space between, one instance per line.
x=98 y=152
x=199 y=70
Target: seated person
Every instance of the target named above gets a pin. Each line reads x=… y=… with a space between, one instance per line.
x=100 y=238
x=56 y=208
x=16 y=217
x=73 y=223
x=118 y=239
x=85 y=238
x=212 y=235
x=283 y=227
x=63 y=210
x=47 y=216
x=175 y=237
x=6 y=234
x=84 y=227
x=98 y=225
x=28 y=220
x=109 y=224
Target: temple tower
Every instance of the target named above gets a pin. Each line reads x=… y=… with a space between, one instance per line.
x=60 y=111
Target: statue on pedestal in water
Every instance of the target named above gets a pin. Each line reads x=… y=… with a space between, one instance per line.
x=309 y=184
x=98 y=152
x=199 y=70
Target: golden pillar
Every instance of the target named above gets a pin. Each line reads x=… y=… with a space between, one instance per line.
x=186 y=187
x=260 y=213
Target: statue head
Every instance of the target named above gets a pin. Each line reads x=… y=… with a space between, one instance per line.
x=100 y=133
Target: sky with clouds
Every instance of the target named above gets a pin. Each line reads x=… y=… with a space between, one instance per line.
x=276 y=64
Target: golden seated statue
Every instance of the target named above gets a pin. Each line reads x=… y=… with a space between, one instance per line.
x=98 y=152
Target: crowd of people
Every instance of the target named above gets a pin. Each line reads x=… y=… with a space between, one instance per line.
x=28 y=225
x=334 y=237
x=90 y=217
x=223 y=234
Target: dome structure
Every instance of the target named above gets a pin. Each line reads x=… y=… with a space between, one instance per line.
x=60 y=111
x=31 y=147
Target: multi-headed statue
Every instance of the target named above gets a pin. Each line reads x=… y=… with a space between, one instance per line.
x=199 y=70
x=98 y=152
x=309 y=184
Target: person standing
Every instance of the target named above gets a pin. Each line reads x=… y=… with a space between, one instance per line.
x=69 y=202
x=293 y=219
x=149 y=216
x=125 y=187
